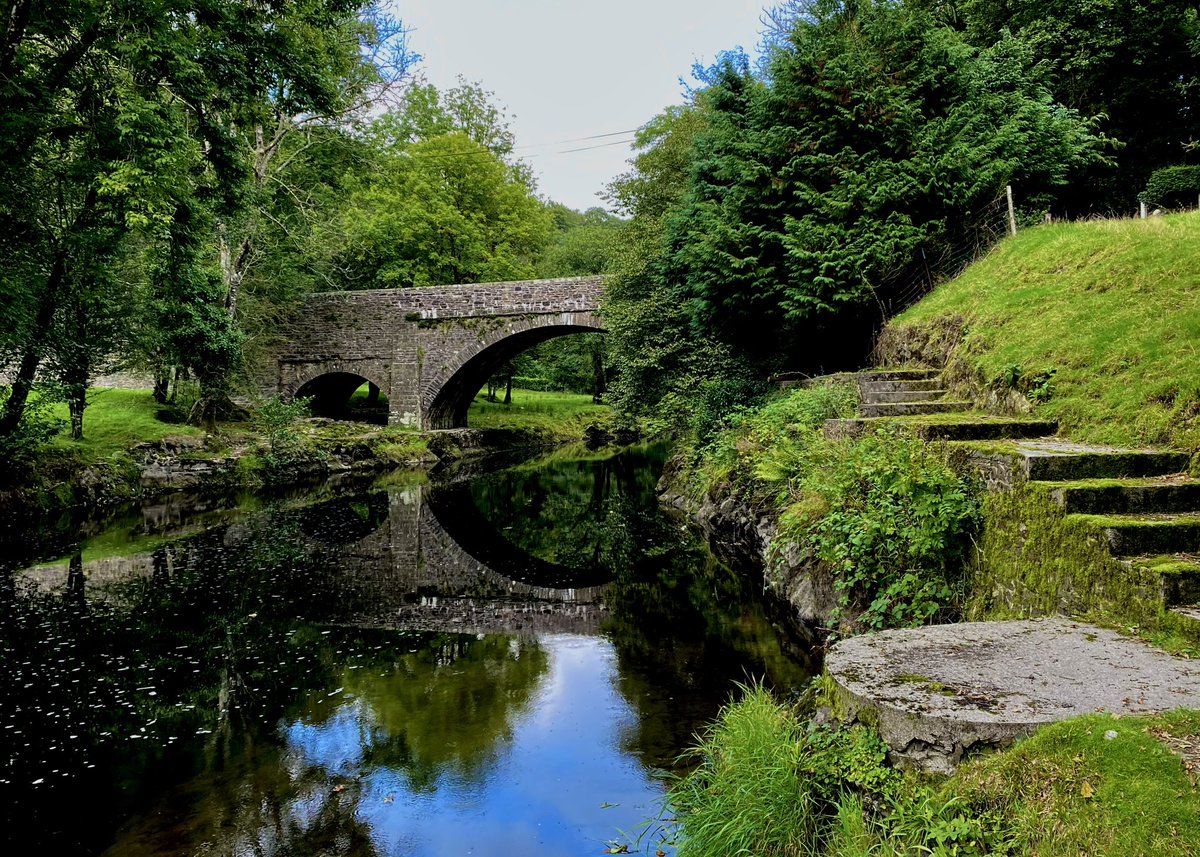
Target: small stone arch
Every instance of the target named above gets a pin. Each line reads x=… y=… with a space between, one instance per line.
x=332 y=384
x=446 y=397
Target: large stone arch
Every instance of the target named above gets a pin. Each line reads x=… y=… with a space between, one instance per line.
x=449 y=389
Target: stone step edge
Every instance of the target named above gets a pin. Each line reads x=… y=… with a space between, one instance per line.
x=1121 y=496
x=916 y=397
x=915 y=409
x=1178 y=579
x=868 y=375
x=1004 y=463
x=1139 y=534
x=995 y=429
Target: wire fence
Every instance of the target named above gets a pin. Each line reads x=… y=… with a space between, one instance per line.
x=977 y=233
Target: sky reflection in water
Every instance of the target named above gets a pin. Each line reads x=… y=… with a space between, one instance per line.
x=545 y=785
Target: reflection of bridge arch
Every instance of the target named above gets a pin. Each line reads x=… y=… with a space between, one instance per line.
x=399 y=560
x=453 y=510
x=424 y=348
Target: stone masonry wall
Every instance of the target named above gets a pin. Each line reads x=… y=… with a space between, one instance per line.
x=410 y=342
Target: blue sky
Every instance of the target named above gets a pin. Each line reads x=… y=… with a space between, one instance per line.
x=567 y=69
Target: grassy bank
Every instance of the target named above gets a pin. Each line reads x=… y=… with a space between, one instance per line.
x=770 y=783
x=1095 y=325
x=124 y=430
x=561 y=415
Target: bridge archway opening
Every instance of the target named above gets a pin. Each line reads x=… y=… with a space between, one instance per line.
x=452 y=402
x=345 y=396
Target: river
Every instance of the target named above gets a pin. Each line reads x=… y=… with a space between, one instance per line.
x=498 y=664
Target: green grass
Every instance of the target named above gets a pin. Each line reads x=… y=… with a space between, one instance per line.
x=769 y=784
x=564 y=414
x=1071 y=790
x=748 y=795
x=116 y=420
x=1112 y=307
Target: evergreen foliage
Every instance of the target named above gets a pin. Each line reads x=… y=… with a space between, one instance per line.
x=816 y=192
x=1173 y=186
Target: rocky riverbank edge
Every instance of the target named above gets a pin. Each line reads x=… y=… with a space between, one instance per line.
x=213 y=465
x=746 y=537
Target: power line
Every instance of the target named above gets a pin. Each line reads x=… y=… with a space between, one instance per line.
x=578 y=139
x=601 y=146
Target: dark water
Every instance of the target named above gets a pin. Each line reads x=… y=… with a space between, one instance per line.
x=506 y=664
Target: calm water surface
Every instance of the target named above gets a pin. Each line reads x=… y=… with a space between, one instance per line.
x=506 y=664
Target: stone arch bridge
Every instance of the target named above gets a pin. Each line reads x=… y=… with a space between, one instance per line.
x=429 y=350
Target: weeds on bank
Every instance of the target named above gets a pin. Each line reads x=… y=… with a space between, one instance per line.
x=891 y=520
x=885 y=514
x=770 y=784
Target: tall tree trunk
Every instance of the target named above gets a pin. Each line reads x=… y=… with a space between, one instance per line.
x=35 y=348
x=598 y=379
x=162 y=382
x=508 y=387
x=78 y=372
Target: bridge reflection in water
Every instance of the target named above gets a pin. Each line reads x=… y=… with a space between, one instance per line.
x=433 y=561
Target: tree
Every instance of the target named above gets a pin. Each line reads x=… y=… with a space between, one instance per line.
x=426 y=112
x=817 y=190
x=1134 y=64
x=444 y=210
x=123 y=125
x=582 y=242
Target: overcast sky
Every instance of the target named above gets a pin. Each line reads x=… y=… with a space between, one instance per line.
x=567 y=69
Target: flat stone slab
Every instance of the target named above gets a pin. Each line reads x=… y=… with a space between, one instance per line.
x=936 y=694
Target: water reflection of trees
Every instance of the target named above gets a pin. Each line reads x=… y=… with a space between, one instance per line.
x=444 y=706
x=685 y=628
x=572 y=513
x=424 y=707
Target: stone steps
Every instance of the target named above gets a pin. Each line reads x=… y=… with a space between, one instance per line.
x=1144 y=534
x=1178 y=576
x=1051 y=460
x=1129 y=496
x=1187 y=619
x=900 y=396
x=911 y=409
x=901 y=374
x=970 y=427
x=910 y=386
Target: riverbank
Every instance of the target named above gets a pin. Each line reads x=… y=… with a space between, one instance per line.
x=134 y=450
x=936 y=500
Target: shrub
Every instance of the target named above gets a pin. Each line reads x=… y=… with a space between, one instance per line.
x=1173 y=187
x=37 y=426
x=279 y=419
x=891 y=519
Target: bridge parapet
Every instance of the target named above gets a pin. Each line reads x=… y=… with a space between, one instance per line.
x=572 y=294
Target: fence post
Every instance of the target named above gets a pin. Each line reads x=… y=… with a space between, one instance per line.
x=1012 y=212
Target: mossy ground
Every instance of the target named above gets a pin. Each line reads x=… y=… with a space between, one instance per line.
x=1097 y=323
